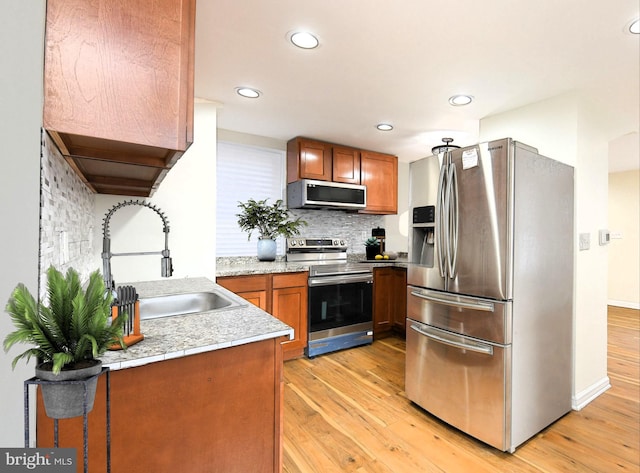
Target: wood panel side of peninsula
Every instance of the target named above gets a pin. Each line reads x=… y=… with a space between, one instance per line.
x=218 y=411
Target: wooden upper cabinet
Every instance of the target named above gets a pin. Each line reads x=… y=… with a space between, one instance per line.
x=379 y=172
x=346 y=165
x=118 y=89
x=313 y=159
x=308 y=159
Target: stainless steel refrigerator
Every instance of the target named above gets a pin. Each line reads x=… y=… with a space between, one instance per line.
x=490 y=290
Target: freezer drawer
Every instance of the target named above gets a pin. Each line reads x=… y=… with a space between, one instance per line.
x=485 y=319
x=462 y=381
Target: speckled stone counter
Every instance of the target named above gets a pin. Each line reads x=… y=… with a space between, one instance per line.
x=244 y=266
x=177 y=336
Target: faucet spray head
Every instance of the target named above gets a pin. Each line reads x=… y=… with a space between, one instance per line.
x=166 y=269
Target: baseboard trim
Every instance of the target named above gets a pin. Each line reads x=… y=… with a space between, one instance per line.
x=584 y=397
x=625 y=304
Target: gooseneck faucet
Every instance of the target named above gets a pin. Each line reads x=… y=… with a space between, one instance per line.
x=166 y=269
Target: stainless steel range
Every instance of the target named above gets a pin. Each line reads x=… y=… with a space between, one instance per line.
x=340 y=295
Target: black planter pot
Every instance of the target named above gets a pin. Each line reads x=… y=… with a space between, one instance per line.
x=63 y=400
x=372 y=251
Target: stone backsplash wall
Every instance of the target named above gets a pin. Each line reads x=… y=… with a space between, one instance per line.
x=351 y=226
x=66 y=217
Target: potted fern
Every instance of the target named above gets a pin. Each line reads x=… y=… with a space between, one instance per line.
x=69 y=333
x=270 y=221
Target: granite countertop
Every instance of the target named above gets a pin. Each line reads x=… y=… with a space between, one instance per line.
x=245 y=266
x=182 y=335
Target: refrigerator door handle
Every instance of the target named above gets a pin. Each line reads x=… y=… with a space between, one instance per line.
x=443 y=337
x=453 y=220
x=458 y=301
x=441 y=220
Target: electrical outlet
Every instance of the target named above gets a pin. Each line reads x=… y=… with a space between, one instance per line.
x=585 y=241
x=364 y=235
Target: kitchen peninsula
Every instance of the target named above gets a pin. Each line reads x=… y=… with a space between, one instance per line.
x=201 y=392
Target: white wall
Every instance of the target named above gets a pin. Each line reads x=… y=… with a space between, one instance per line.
x=21 y=23
x=567 y=129
x=187 y=196
x=397 y=226
x=624 y=249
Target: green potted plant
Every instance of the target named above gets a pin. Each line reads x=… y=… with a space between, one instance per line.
x=372 y=247
x=269 y=221
x=69 y=333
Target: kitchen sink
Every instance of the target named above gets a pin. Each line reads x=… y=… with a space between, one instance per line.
x=182 y=304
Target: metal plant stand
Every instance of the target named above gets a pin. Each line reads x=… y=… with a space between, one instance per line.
x=85 y=432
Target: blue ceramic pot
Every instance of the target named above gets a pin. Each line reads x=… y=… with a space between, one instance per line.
x=266 y=250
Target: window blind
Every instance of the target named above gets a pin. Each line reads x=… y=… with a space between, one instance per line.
x=244 y=172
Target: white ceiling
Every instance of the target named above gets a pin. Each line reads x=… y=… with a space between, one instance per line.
x=399 y=62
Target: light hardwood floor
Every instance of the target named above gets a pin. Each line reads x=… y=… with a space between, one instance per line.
x=347 y=411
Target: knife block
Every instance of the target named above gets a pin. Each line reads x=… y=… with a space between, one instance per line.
x=134 y=337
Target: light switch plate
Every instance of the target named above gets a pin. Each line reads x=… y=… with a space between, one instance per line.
x=585 y=241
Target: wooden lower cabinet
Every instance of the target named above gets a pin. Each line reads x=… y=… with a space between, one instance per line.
x=255 y=289
x=218 y=412
x=389 y=300
x=283 y=295
x=289 y=304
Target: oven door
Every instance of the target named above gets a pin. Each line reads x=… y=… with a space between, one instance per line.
x=338 y=302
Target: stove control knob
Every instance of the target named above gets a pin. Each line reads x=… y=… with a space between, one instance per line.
x=335 y=242
x=292 y=242
x=301 y=242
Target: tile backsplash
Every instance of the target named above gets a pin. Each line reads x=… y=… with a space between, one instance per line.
x=335 y=223
x=66 y=216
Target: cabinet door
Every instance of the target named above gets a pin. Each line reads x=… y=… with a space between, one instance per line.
x=290 y=306
x=382 y=300
x=346 y=165
x=118 y=88
x=308 y=159
x=257 y=298
x=379 y=172
x=400 y=299
x=255 y=289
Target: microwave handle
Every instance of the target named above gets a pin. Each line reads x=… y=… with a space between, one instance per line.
x=442 y=337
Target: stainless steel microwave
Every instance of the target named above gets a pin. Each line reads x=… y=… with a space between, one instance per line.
x=311 y=194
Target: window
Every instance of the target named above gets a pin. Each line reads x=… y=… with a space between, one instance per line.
x=244 y=172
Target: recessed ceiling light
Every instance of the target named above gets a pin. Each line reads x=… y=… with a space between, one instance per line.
x=634 y=27
x=459 y=100
x=304 y=40
x=248 y=92
x=384 y=127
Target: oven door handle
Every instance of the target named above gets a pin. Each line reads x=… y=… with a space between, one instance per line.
x=342 y=279
x=443 y=337
x=455 y=301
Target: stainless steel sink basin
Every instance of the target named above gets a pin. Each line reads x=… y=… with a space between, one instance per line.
x=181 y=304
